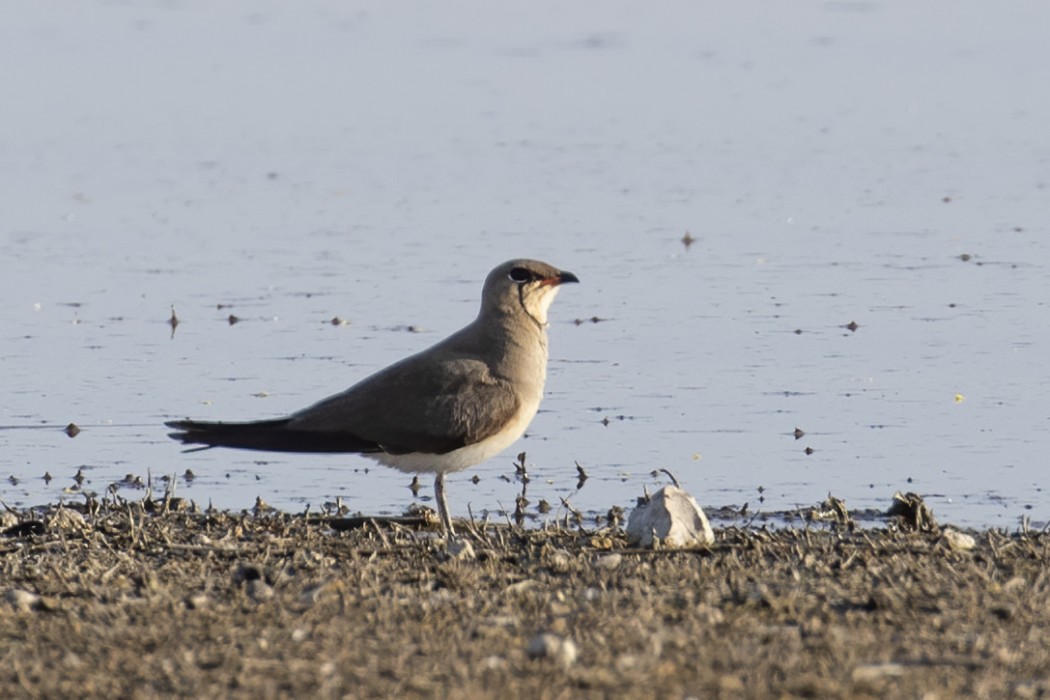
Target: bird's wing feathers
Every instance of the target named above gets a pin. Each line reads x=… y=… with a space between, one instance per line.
x=456 y=402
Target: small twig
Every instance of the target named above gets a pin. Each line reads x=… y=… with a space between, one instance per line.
x=674 y=479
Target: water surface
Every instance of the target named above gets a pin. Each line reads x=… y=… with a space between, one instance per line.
x=881 y=164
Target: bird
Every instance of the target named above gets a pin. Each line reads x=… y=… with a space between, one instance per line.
x=449 y=407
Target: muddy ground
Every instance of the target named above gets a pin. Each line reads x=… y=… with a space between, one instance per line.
x=117 y=601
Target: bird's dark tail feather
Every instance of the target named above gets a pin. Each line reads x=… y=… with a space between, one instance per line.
x=267 y=435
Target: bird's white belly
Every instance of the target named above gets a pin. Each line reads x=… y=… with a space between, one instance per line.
x=464 y=457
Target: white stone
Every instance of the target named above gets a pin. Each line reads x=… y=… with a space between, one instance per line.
x=673 y=517
x=551 y=646
x=22 y=600
x=959 y=541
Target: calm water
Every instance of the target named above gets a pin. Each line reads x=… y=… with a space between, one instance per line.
x=833 y=162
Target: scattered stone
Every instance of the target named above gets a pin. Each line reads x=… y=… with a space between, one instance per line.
x=551 y=646
x=959 y=541
x=493 y=663
x=72 y=430
x=1015 y=585
x=258 y=590
x=671 y=517
x=869 y=673
x=610 y=562
x=590 y=594
x=23 y=601
x=559 y=561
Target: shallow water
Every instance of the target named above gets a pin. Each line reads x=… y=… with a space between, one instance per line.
x=832 y=162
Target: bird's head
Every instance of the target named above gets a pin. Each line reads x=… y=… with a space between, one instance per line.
x=523 y=286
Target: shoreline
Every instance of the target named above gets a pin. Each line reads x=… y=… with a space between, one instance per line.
x=120 y=601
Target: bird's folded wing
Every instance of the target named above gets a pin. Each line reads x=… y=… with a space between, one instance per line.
x=432 y=407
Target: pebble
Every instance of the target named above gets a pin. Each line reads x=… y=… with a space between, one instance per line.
x=874 y=672
x=609 y=562
x=559 y=625
x=559 y=561
x=493 y=663
x=959 y=541
x=259 y=590
x=21 y=600
x=551 y=646
x=1015 y=585
x=591 y=594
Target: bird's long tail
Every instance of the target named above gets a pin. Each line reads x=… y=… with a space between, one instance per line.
x=268 y=435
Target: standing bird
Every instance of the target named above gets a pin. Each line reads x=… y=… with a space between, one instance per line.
x=447 y=408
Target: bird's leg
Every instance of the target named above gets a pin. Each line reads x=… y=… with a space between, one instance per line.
x=439 y=493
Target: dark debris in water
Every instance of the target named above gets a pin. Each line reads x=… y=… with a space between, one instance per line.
x=173 y=321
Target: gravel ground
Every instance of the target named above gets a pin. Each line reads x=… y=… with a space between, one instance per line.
x=126 y=600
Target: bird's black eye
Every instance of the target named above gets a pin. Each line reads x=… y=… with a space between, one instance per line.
x=520 y=274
